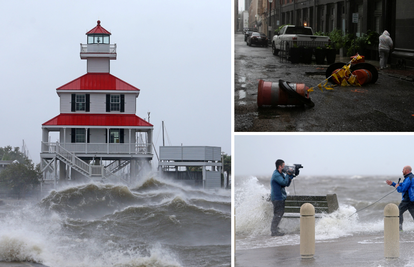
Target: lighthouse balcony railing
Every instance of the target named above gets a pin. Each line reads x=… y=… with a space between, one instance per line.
x=98 y=48
x=99 y=148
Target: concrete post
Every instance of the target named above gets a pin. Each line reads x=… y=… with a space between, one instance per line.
x=391 y=232
x=307 y=231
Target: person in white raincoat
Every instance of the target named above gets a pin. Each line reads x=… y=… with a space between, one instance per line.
x=385 y=46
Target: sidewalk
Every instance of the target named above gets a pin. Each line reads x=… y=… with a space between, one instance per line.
x=358 y=250
x=20 y=264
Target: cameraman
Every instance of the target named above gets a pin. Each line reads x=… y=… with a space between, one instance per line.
x=278 y=195
x=406 y=188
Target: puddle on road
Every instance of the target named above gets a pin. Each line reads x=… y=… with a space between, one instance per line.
x=318 y=75
x=242 y=94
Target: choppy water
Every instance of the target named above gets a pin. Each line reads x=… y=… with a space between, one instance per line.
x=156 y=223
x=254 y=213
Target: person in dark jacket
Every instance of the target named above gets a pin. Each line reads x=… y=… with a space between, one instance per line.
x=406 y=188
x=278 y=182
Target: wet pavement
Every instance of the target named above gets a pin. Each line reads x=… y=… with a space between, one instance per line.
x=386 y=106
x=357 y=250
x=20 y=264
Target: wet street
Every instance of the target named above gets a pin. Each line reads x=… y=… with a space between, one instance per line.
x=386 y=106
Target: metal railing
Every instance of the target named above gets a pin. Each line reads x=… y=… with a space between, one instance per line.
x=73 y=160
x=100 y=148
x=77 y=163
x=115 y=166
x=67 y=155
x=98 y=48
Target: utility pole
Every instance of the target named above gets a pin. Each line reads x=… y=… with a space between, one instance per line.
x=163 y=141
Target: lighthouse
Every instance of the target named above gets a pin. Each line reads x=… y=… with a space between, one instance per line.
x=99 y=133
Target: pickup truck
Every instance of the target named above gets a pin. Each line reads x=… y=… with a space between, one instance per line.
x=291 y=35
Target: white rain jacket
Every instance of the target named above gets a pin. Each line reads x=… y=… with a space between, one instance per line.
x=385 y=41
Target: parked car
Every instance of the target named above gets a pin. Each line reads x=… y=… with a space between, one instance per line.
x=247 y=34
x=258 y=38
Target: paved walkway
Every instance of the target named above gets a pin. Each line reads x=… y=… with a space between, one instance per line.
x=358 y=250
x=20 y=264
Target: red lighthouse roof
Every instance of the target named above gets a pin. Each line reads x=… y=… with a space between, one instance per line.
x=98 y=81
x=112 y=120
x=98 y=30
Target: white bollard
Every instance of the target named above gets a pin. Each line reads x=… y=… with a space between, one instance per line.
x=391 y=232
x=307 y=231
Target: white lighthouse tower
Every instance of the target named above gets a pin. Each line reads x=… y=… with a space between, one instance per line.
x=99 y=133
x=98 y=51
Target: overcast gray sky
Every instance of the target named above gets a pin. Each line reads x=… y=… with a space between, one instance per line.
x=241 y=5
x=330 y=154
x=178 y=53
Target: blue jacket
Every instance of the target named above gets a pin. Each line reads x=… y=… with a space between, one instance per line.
x=406 y=188
x=278 y=183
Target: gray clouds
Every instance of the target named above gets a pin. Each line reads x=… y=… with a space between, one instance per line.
x=325 y=154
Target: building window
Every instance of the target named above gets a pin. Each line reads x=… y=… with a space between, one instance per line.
x=80 y=135
x=115 y=102
x=80 y=103
x=116 y=136
x=98 y=39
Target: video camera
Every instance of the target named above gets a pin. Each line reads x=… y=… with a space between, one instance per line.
x=292 y=169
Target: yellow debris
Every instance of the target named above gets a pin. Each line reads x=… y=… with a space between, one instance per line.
x=320 y=87
x=352 y=79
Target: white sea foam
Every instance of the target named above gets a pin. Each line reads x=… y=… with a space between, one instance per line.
x=343 y=222
x=17 y=247
x=253 y=212
x=30 y=235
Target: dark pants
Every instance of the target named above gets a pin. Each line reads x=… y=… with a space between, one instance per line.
x=404 y=206
x=278 y=211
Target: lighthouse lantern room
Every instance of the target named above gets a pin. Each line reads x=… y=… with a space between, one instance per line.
x=98 y=51
x=99 y=133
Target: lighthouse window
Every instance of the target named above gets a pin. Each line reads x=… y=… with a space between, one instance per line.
x=115 y=102
x=98 y=39
x=80 y=135
x=116 y=136
x=80 y=102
